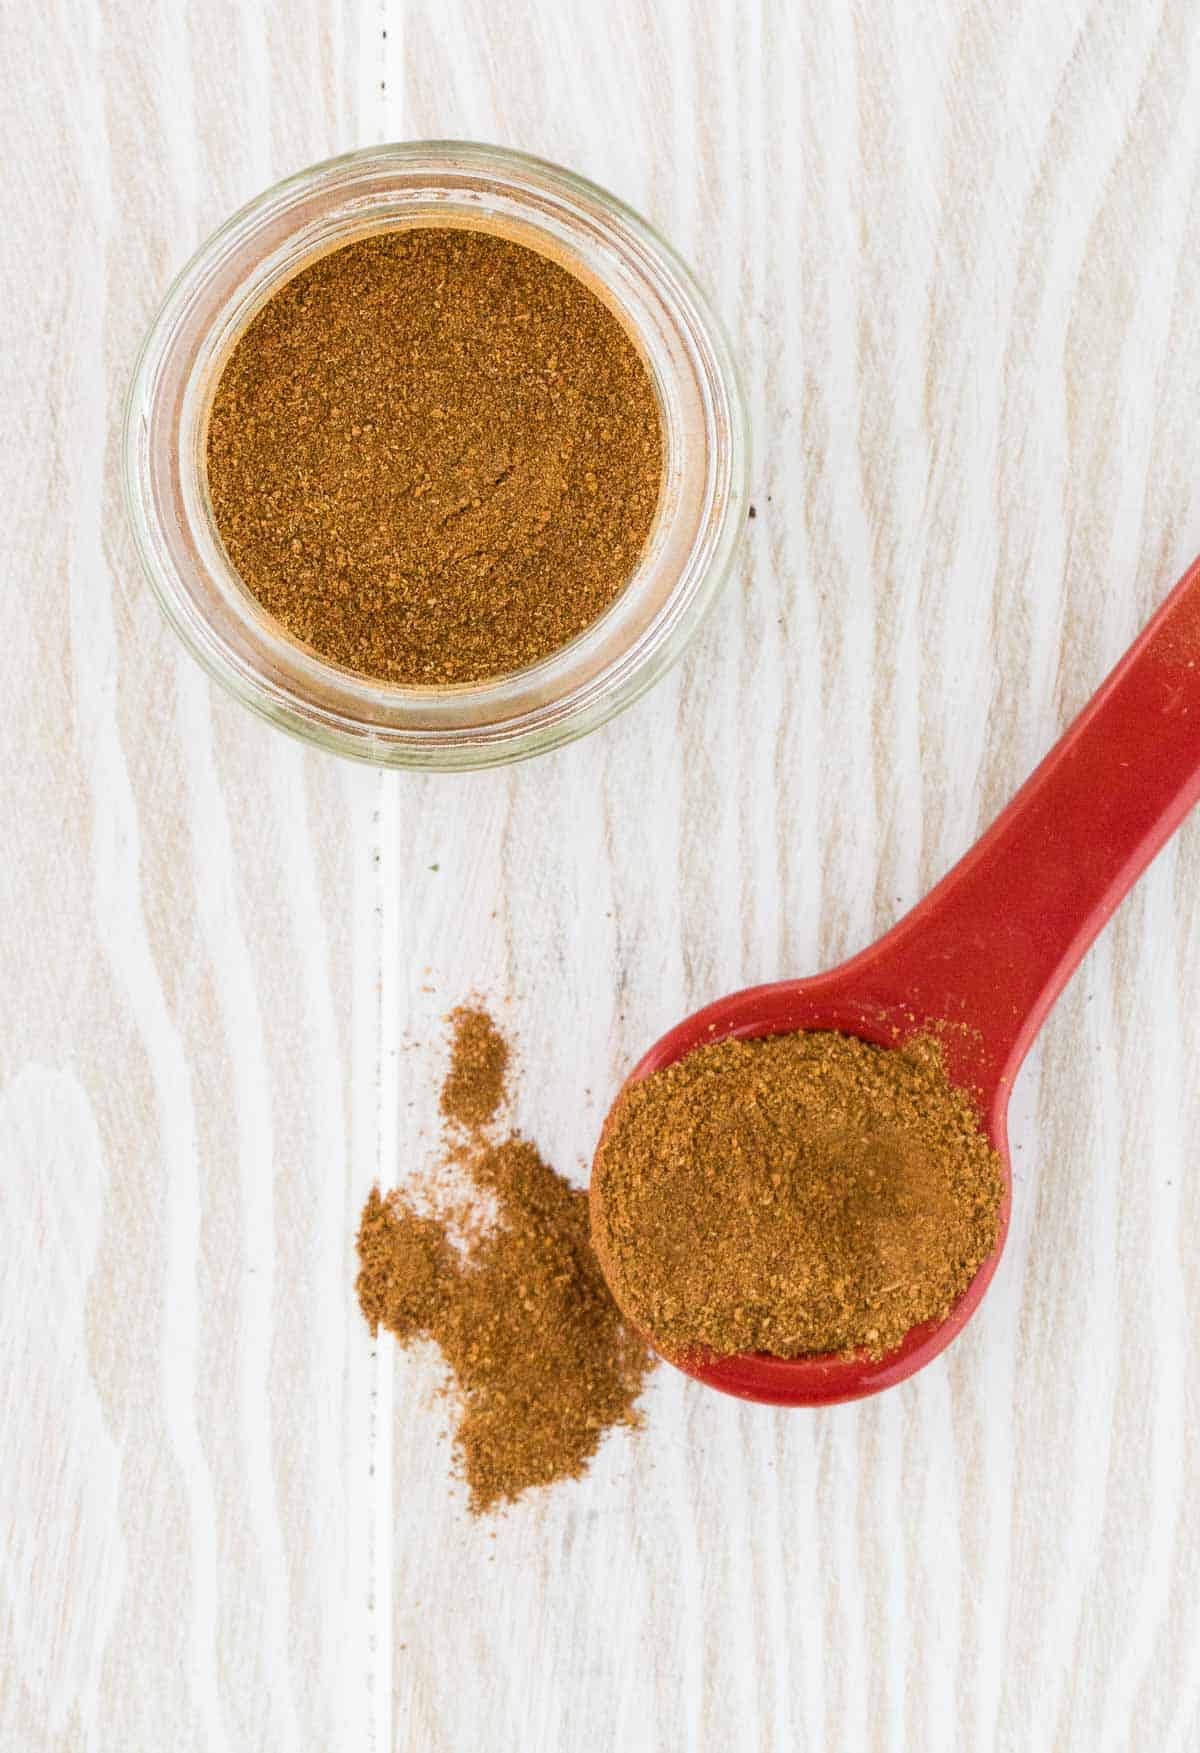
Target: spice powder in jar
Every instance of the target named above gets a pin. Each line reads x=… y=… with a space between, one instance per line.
x=434 y=456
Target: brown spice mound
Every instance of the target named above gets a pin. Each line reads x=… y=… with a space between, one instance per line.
x=406 y=1266
x=541 y=1358
x=474 y=1086
x=434 y=456
x=796 y=1194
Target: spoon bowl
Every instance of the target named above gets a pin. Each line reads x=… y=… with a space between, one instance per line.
x=827 y=1002
x=984 y=956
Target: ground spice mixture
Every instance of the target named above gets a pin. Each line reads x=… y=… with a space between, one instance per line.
x=542 y=1362
x=434 y=456
x=796 y=1194
x=474 y=1086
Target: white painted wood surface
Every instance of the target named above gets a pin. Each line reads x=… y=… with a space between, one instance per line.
x=957 y=248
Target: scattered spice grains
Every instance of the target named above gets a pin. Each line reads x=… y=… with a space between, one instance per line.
x=541 y=1359
x=474 y=1086
x=796 y=1194
x=434 y=456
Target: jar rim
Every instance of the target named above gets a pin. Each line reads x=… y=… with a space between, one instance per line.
x=613 y=661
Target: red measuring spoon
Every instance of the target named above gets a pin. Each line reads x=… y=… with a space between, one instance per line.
x=991 y=947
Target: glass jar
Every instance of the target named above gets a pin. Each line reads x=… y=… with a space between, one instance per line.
x=701 y=509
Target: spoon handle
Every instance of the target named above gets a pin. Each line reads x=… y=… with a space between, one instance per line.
x=995 y=942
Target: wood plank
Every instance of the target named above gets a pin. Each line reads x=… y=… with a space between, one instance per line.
x=952 y=249
x=187 y=1125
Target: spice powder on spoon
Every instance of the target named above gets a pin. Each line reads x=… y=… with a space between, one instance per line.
x=434 y=456
x=795 y=1194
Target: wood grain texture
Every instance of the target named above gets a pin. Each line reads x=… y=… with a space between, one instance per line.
x=955 y=247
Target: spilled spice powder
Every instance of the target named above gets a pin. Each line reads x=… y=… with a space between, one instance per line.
x=434 y=456
x=474 y=1086
x=406 y=1265
x=795 y=1194
x=541 y=1360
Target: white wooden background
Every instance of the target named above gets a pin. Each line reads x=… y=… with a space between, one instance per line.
x=957 y=244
